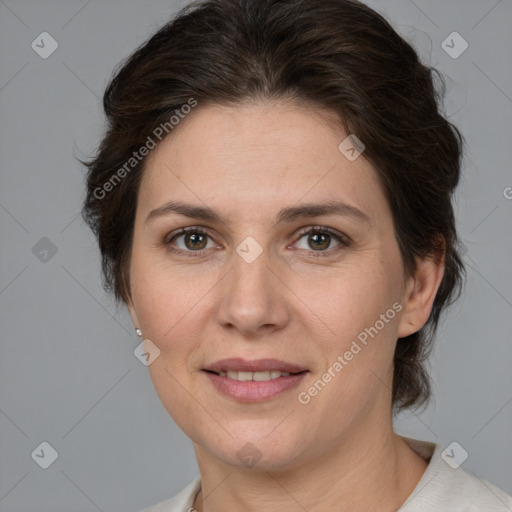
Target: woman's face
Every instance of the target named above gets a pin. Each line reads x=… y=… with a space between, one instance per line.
x=254 y=287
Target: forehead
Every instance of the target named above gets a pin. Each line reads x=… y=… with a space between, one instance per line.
x=259 y=155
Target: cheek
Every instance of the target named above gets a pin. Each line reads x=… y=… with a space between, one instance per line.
x=357 y=354
x=350 y=304
x=351 y=299
x=166 y=296
x=174 y=324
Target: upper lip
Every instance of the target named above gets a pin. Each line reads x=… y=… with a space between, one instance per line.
x=256 y=365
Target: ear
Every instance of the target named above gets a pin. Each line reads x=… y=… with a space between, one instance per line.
x=420 y=292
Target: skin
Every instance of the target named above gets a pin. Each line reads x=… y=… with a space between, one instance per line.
x=339 y=451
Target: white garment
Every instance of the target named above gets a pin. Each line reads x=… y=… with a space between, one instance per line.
x=440 y=489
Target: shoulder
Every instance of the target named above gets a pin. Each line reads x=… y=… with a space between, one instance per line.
x=446 y=487
x=181 y=502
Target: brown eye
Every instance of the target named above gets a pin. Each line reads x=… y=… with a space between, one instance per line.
x=195 y=241
x=319 y=240
x=188 y=240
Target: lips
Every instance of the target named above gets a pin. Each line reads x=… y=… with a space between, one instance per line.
x=258 y=365
x=254 y=381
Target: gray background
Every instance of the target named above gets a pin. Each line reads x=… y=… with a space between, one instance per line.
x=68 y=373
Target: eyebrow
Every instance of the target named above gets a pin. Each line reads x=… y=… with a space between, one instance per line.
x=288 y=214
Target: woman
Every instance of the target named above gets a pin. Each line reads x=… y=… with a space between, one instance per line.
x=272 y=201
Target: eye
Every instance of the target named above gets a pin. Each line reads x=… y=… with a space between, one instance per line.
x=320 y=239
x=193 y=240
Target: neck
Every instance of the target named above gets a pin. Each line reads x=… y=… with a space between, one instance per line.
x=370 y=469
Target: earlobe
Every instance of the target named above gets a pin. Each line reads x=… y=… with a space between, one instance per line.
x=420 y=293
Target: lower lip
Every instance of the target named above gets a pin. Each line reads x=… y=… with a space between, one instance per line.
x=254 y=391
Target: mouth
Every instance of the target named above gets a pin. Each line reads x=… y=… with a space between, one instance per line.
x=254 y=381
x=254 y=376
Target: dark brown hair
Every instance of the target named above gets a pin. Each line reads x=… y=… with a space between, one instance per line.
x=338 y=55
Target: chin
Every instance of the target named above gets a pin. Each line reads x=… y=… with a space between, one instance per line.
x=259 y=453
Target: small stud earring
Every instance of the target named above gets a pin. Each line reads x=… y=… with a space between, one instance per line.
x=138 y=332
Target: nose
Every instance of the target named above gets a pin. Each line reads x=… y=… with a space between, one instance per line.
x=253 y=300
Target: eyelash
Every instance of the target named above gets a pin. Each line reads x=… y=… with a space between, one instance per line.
x=342 y=239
